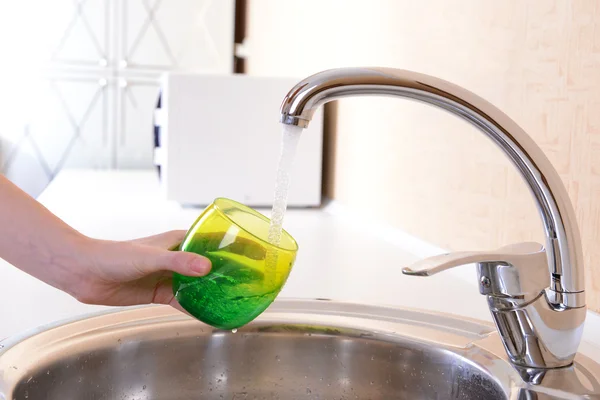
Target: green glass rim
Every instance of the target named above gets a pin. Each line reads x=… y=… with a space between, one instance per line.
x=257 y=214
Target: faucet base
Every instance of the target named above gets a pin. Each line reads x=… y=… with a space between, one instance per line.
x=532 y=337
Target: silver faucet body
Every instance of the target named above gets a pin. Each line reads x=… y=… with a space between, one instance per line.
x=536 y=297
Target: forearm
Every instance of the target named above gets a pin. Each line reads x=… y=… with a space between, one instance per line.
x=91 y=270
x=33 y=239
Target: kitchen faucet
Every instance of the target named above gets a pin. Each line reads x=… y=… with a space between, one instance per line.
x=535 y=293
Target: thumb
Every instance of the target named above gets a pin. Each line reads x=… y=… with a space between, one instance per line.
x=156 y=255
x=182 y=262
x=147 y=259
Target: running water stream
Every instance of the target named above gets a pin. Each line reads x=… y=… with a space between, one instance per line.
x=289 y=144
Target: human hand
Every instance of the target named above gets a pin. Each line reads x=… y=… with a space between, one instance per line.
x=93 y=271
x=132 y=272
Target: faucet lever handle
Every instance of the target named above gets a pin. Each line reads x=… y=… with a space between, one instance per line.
x=514 y=255
x=518 y=271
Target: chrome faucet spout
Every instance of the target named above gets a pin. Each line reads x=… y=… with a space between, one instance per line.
x=564 y=285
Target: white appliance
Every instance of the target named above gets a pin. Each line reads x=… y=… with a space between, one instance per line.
x=220 y=136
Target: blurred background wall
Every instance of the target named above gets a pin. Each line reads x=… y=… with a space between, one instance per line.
x=427 y=172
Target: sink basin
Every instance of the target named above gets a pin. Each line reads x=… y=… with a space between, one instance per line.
x=297 y=349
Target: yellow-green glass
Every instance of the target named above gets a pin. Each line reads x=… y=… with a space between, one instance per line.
x=247 y=271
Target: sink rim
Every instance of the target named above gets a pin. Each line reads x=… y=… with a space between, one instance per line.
x=337 y=311
x=474 y=341
x=23 y=354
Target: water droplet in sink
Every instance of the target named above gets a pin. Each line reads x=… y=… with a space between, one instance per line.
x=144 y=387
x=233 y=330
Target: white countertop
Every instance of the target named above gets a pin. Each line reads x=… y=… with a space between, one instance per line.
x=338 y=258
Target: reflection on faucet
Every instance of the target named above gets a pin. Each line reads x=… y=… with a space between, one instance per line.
x=573 y=382
x=535 y=293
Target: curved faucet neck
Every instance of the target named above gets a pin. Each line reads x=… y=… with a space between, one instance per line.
x=563 y=245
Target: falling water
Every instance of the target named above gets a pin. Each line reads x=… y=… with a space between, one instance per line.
x=289 y=144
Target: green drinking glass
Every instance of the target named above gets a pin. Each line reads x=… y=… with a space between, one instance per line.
x=247 y=271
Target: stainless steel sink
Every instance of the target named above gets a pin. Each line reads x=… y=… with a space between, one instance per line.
x=295 y=350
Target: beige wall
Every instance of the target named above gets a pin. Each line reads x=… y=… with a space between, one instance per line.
x=427 y=172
